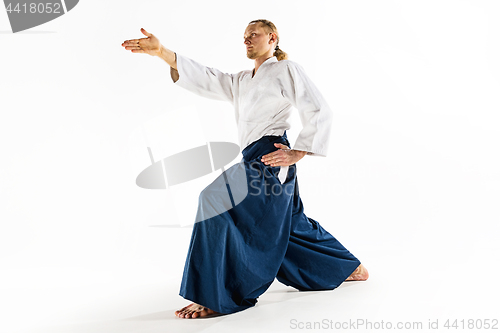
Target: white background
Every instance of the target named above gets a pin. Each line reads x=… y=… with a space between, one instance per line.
x=410 y=185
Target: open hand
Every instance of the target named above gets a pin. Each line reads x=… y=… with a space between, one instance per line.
x=150 y=45
x=283 y=156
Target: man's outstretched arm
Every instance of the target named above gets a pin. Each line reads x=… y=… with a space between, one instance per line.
x=205 y=81
x=151 y=45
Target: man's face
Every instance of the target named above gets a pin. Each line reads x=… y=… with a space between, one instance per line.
x=256 y=40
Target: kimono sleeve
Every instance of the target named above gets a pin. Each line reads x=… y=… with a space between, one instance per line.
x=315 y=114
x=204 y=81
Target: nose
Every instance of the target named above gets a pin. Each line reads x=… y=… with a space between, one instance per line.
x=246 y=41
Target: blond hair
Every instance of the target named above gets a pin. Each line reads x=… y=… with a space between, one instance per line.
x=270 y=27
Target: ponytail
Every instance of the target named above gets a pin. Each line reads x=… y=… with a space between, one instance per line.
x=279 y=54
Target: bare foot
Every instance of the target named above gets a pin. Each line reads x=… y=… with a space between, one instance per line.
x=194 y=310
x=360 y=274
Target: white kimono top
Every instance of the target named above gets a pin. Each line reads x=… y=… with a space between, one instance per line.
x=263 y=103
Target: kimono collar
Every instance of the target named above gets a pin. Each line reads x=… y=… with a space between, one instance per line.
x=265 y=63
x=270 y=60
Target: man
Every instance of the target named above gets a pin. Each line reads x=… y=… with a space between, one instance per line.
x=236 y=253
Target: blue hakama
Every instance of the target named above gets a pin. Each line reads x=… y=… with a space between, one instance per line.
x=239 y=248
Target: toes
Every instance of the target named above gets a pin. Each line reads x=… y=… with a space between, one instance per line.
x=190 y=313
x=180 y=313
x=185 y=313
x=186 y=307
x=194 y=311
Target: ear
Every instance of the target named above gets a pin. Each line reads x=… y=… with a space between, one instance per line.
x=273 y=37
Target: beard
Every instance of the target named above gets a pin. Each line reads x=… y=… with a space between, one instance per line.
x=251 y=54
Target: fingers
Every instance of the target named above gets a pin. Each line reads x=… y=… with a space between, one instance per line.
x=147 y=45
x=275 y=160
x=276 y=164
x=280 y=157
x=274 y=155
x=133 y=42
x=282 y=146
x=130 y=42
x=133 y=47
x=145 y=32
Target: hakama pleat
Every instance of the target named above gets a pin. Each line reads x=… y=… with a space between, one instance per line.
x=252 y=229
